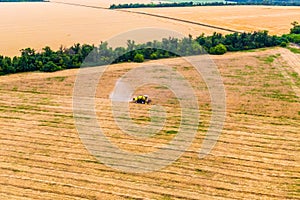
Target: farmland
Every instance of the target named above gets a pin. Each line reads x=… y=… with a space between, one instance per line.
x=37 y=25
x=44 y=156
x=257 y=154
x=275 y=19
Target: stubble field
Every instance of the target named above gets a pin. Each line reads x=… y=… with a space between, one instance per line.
x=256 y=157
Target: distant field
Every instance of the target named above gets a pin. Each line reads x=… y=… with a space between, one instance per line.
x=36 y=25
x=256 y=157
x=275 y=19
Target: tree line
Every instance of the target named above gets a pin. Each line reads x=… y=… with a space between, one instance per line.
x=49 y=60
x=191 y=4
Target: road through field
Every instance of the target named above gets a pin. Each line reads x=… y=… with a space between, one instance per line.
x=152 y=15
x=275 y=19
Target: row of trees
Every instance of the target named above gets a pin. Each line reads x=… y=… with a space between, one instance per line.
x=190 y=4
x=240 y=41
x=151 y=5
x=49 y=60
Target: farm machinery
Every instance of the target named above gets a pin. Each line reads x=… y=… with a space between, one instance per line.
x=141 y=99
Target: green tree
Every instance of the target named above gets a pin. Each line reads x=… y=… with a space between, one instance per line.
x=296 y=28
x=50 y=67
x=153 y=56
x=218 y=50
x=138 y=58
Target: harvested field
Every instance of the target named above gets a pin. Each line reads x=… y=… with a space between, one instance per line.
x=275 y=19
x=256 y=157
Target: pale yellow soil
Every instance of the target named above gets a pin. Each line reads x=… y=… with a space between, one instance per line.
x=256 y=156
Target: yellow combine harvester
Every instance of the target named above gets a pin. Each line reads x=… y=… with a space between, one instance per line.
x=141 y=99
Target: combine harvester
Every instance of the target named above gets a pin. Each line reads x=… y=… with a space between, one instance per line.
x=141 y=99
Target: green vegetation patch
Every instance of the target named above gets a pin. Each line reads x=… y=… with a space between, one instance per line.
x=280 y=96
x=294 y=50
x=57 y=78
x=171 y=132
x=269 y=59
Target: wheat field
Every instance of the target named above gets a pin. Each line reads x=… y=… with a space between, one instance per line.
x=256 y=156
